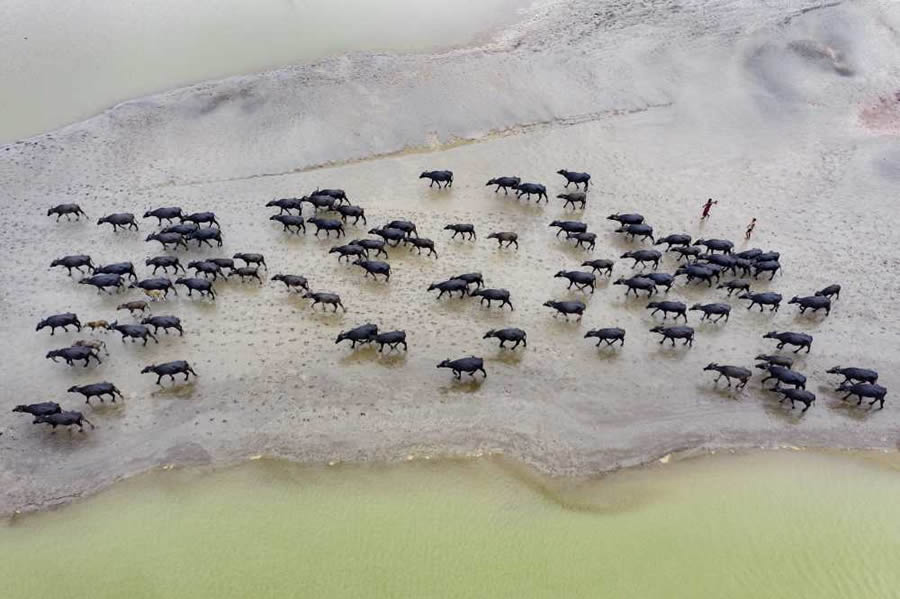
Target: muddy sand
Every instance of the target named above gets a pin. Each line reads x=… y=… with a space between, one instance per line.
x=665 y=105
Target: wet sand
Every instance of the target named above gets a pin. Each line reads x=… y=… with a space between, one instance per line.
x=664 y=135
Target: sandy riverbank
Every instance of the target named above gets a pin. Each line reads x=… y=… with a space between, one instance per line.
x=665 y=107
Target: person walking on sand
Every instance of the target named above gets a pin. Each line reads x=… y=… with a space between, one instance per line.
x=750 y=228
x=706 y=208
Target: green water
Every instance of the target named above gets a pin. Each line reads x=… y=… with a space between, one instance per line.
x=777 y=525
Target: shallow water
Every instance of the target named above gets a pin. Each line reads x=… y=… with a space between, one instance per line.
x=63 y=63
x=777 y=525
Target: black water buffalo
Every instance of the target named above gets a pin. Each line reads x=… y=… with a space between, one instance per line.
x=783 y=374
x=63 y=321
x=292 y=223
x=750 y=254
x=861 y=390
x=205 y=235
x=246 y=272
x=362 y=334
x=249 y=259
x=767 y=257
x=742 y=375
x=44 y=408
x=686 y=253
x=354 y=212
x=371 y=245
x=642 y=256
x=568 y=226
x=449 y=286
x=666 y=307
x=807 y=398
x=856 y=375
x=408 y=227
x=626 y=219
x=349 y=250
x=64 y=419
x=725 y=261
x=76 y=262
x=103 y=282
x=183 y=229
x=508 y=237
x=600 y=264
x=673 y=333
x=735 y=285
x=200 y=218
x=608 y=335
x=326 y=299
x=530 y=189
x=505 y=183
x=134 y=331
x=834 y=290
x=285 y=205
x=389 y=235
x=223 y=263
x=168 y=214
x=493 y=295
x=467 y=230
x=631 y=231
x=165 y=323
x=512 y=335
x=566 y=308
x=716 y=245
x=169 y=369
x=338 y=194
x=469 y=365
x=676 y=239
x=636 y=284
x=167 y=239
x=74 y=354
x=583 y=240
x=578 y=199
x=812 y=302
x=320 y=202
x=392 y=339
x=118 y=268
x=785 y=361
x=771 y=266
x=715 y=309
x=581 y=280
x=156 y=284
x=67 y=209
x=374 y=268
x=698 y=272
x=292 y=281
x=119 y=219
x=421 y=243
x=471 y=278
x=207 y=268
x=742 y=264
x=800 y=340
x=661 y=279
x=576 y=178
x=96 y=390
x=202 y=286
x=445 y=177
x=767 y=298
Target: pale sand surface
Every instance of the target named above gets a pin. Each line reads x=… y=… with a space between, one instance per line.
x=718 y=106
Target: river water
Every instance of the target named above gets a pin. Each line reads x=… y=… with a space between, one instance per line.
x=773 y=525
x=65 y=62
